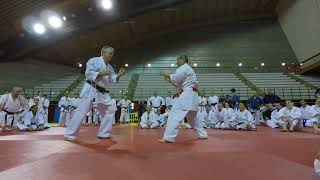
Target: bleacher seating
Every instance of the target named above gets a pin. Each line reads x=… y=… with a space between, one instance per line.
x=281 y=84
x=117 y=90
x=220 y=83
x=54 y=88
x=314 y=80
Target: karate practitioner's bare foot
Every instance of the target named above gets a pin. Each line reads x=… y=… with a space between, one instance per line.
x=317 y=131
x=284 y=129
x=164 y=141
x=291 y=128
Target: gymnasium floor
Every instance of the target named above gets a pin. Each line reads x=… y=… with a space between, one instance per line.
x=135 y=154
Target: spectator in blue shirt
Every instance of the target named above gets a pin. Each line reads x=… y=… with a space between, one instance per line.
x=235 y=99
x=254 y=103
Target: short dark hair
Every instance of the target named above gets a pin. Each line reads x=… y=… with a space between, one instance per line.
x=184 y=57
x=233 y=90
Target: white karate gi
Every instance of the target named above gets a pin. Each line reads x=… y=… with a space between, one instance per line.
x=275 y=119
x=203 y=118
x=149 y=120
x=242 y=119
x=156 y=103
x=306 y=115
x=9 y=109
x=294 y=116
x=169 y=103
x=113 y=109
x=315 y=114
x=124 y=105
x=65 y=112
x=94 y=67
x=220 y=119
x=317 y=166
x=34 y=121
x=74 y=106
x=187 y=104
x=213 y=101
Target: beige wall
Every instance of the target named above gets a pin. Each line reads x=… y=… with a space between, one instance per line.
x=300 y=20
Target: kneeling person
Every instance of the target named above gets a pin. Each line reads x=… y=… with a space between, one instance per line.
x=148 y=119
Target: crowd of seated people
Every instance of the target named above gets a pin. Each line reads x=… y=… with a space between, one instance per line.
x=23 y=112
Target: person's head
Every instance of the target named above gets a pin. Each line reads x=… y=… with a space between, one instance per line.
x=36 y=101
x=269 y=106
x=27 y=96
x=289 y=104
x=303 y=102
x=107 y=53
x=148 y=108
x=155 y=94
x=278 y=105
x=16 y=90
x=220 y=106
x=242 y=106
x=269 y=91
x=182 y=59
x=317 y=102
x=254 y=93
x=226 y=105
x=66 y=93
x=125 y=97
x=34 y=109
x=40 y=93
x=233 y=90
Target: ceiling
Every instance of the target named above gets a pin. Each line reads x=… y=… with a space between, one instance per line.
x=130 y=22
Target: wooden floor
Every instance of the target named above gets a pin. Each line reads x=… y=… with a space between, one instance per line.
x=135 y=154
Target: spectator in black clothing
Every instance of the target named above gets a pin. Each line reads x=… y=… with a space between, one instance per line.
x=267 y=113
x=271 y=98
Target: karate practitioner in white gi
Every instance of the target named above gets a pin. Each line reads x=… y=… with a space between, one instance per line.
x=46 y=104
x=290 y=118
x=274 y=122
x=305 y=113
x=315 y=116
x=220 y=118
x=74 y=104
x=124 y=105
x=12 y=106
x=33 y=120
x=243 y=119
x=213 y=100
x=65 y=104
x=148 y=119
x=187 y=104
x=113 y=109
x=169 y=102
x=156 y=102
x=99 y=75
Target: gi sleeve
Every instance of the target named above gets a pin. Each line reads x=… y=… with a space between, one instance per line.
x=27 y=118
x=296 y=114
x=61 y=102
x=2 y=101
x=24 y=103
x=178 y=76
x=40 y=118
x=249 y=117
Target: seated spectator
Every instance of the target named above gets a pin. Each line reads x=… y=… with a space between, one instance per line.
x=266 y=114
x=290 y=118
x=243 y=119
x=315 y=116
x=33 y=121
x=305 y=113
x=148 y=119
x=219 y=118
x=317 y=93
x=271 y=98
x=273 y=122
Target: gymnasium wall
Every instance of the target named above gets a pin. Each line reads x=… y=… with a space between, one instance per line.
x=30 y=72
x=249 y=42
x=299 y=20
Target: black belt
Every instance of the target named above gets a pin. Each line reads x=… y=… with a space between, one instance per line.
x=6 y=117
x=100 y=89
x=125 y=107
x=156 y=107
x=10 y=113
x=213 y=104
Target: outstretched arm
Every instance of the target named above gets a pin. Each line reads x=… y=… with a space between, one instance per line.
x=166 y=75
